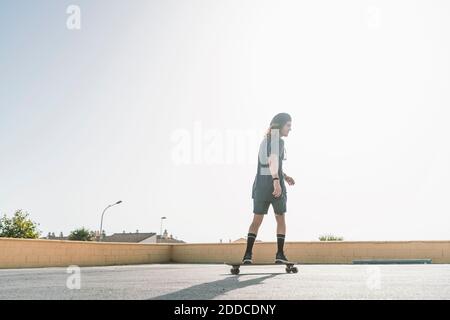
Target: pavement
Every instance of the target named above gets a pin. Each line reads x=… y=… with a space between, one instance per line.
x=214 y=281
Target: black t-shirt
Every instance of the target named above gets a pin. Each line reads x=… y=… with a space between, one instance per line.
x=263 y=184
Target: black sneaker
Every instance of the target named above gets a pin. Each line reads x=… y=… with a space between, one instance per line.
x=281 y=258
x=247 y=258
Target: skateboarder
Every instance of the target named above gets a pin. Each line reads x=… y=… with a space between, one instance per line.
x=269 y=187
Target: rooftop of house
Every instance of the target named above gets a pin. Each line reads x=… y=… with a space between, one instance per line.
x=128 y=237
x=169 y=239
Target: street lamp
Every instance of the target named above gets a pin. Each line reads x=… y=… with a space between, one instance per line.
x=160 y=229
x=101 y=222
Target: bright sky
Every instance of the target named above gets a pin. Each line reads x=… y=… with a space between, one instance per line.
x=162 y=104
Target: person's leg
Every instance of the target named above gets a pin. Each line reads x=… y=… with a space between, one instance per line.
x=279 y=208
x=281 y=223
x=253 y=231
x=280 y=257
x=281 y=231
x=260 y=208
x=256 y=223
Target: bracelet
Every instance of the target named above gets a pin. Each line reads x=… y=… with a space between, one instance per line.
x=273 y=179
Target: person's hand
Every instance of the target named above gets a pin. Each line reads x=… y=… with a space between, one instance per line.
x=289 y=180
x=276 y=188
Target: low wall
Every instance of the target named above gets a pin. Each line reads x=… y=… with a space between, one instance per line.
x=24 y=253
x=315 y=252
x=27 y=253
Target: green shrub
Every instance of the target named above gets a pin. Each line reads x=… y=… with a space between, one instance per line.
x=19 y=226
x=81 y=234
x=330 y=237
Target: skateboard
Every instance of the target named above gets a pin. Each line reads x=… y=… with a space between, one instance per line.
x=236 y=265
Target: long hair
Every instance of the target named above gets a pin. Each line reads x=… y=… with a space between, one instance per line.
x=278 y=122
x=269 y=130
x=268 y=136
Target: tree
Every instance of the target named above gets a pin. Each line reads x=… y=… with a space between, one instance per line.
x=19 y=226
x=81 y=234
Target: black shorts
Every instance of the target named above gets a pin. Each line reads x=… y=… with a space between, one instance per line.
x=278 y=205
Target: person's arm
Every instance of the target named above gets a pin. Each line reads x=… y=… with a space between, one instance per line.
x=273 y=166
x=274 y=159
x=288 y=179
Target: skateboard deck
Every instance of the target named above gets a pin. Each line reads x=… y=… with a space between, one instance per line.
x=236 y=265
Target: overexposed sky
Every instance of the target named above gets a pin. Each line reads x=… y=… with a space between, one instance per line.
x=162 y=104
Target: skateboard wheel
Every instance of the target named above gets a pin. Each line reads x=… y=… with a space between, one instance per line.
x=294 y=270
x=288 y=270
x=234 y=270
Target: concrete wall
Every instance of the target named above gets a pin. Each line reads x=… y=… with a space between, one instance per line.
x=315 y=252
x=22 y=253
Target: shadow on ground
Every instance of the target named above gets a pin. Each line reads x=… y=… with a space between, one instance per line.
x=210 y=290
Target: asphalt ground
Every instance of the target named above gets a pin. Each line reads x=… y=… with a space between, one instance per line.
x=214 y=281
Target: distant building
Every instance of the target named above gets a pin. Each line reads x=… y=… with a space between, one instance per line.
x=130 y=237
x=137 y=237
x=166 y=238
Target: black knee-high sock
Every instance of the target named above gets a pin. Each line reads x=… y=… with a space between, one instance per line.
x=280 y=241
x=250 y=241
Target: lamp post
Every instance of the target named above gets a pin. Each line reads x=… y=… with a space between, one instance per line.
x=160 y=229
x=101 y=222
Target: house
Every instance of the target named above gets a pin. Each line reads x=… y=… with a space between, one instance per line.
x=166 y=238
x=130 y=237
x=137 y=237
